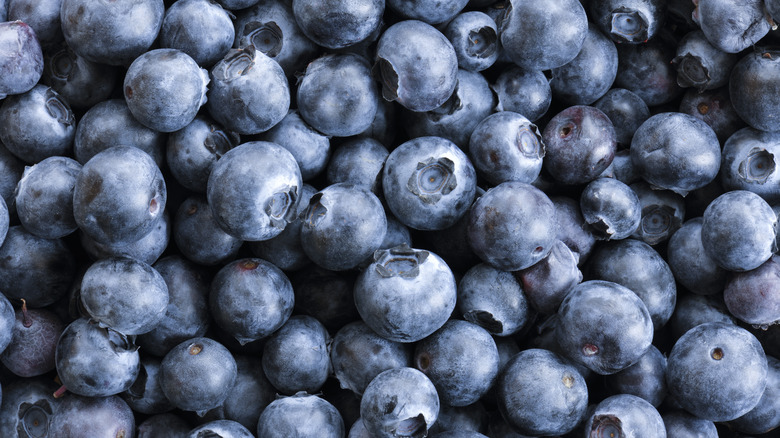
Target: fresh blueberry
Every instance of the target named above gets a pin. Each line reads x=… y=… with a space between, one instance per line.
x=82 y=83
x=732 y=26
x=474 y=36
x=338 y=24
x=493 y=299
x=765 y=417
x=626 y=110
x=628 y=21
x=701 y=65
x=311 y=149
x=34 y=342
x=645 y=379
x=91 y=416
x=611 y=208
x=43 y=16
x=753 y=76
x=21 y=58
x=547 y=282
x=44 y=197
x=523 y=91
x=7 y=323
x=198 y=236
x=663 y=212
x=145 y=395
x=199 y=28
x=747 y=295
x=715 y=108
x=300 y=415
x=646 y=70
x=692 y=310
x=625 y=415
x=748 y=163
x=692 y=267
x=684 y=425
x=221 y=428
x=28 y=405
x=146 y=249
x=358 y=161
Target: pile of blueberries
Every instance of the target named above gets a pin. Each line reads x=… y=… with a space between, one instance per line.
x=389 y=218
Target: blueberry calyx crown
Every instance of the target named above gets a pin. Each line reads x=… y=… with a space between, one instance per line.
x=629 y=25
x=758 y=166
x=606 y=426
x=265 y=37
x=400 y=261
x=432 y=179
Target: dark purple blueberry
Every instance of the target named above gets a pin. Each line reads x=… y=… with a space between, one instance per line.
x=146 y=249
x=580 y=144
x=416 y=65
x=765 y=417
x=428 y=183
x=645 y=379
x=248 y=92
x=505 y=146
x=611 y=208
x=37 y=124
x=126 y=29
x=253 y=190
x=474 y=36
x=626 y=110
x=145 y=395
x=310 y=147
x=250 y=395
x=715 y=108
x=730 y=25
x=28 y=405
x=95 y=362
x=663 y=212
x=529 y=40
x=21 y=58
x=547 y=282
x=340 y=23
x=692 y=310
x=43 y=16
x=406 y=294
x=296 y=357
x=693 y=268
x=526 y=92
x=540 y=393
x=82 y=83
x=358 y=161
x=749 y=163
x=717 y=352
x=753 y=80
x=120 y=195
x=511 y=226
x=572 y=229
x=99 y=417
x=199 y=28
x=464 y=419
x=399 y=402
x=624 y=415
x=604 y=326
x=628 y=21
x=300 y=415
x=250 y=299
x=646 y=70
x=701 y=65
x=493 y=299
x=44 y=197
x=198 y=374
x=199 y=237
x=35 y=335
x=753 y=296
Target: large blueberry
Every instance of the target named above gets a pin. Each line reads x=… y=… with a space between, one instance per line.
x=628 y=21
x=300 y=415
x=753 y=296
x=199 y=28
x=611 y=208
x=296 y=358
x=625 y=415
x=44 y=197
x=753 y=79
x=474 y=36
x=338 y=24
x=523 y=91
x=21 y=58
x=547 y=282
x=625 y=110
x=701 y=65
x=693 y=268
x=81 y=82
x=731 y=25
x=493 y=299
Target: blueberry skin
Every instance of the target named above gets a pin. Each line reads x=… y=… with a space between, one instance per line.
x=460 y=359
x=296 y=357
x=44 y=197
x=164 y=89
x=42 y=16
x=36 y=269
x=625 y=415
x=186 y=315
x=37 y=124
x=754 y=75
x=611 y=208
x=21 y=58
x=469 y=419
x=646 y=70
x=342 y=226
x=94 y=361
x=546 y=283
x=765 y=416
x=92 y=416
x=749 y=297
x=337 y=95
x=419 y=285
x=526 y=92
x=199 y=237
x=358 y=355
x=580 y=143
x=250 y=299
x=693 y=310
x=358 y=161
x=663 y=212
x=199 y=28
x=474 y=36
x=7 y=323
x=456 y=119
x=5 y=220
x=732 y=26
x=715 y=108
x=625 y=110
x=717 y=352
x=11 y=170
x=428 y=183
x=28 y=404
x=300 y=415
x=252 y=392
x=511 y=226
x=628 y=21
x=701 y=65
x=540 y=393
x=684 y=425
x=156 y=425
x=236 y=4
x=572 y=229
x=399 y=402
x=127 y=29
x=229 y=428
x=311 y=149
x=326 y=295
x=693 y=268
x=739 y=230
x=590 y=74
x=417 y=65
x=493 y=299
x=748 y=163
x=637 y=266
x=645 y=379
x=145 y=394
x=146 y=249
x=82 y=83
x=271 y=27
x=604 y=326
x=338 y=24
x=31 y=350
x=533 y=42
x=110 y=123
x=119 y=196
x=505 y=146
x=253 y=190
x=431 y=12
x=676 y=151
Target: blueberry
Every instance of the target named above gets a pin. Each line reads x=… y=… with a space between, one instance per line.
x=611 y=208
x=432 y=12
x=692 y=310
x=399 y=402
x=493 y=299
x=747 y=295
x=626 y=110
x=42 y=16
x=337 y=96
x=311 y=148
x=249 y=93
x=126 y=29
x=199 y=28
x=572 y=229
x=732 y=26
x=95 y=362
x=717 y=352
x=753 y=76
x=37 y=124
x=625 y=415
x=474 y=36
x=119 y=196
x=145 y=395
x=44 y=197
x=250 y=299
x=92 y=416
x=628 y=21
x=765 y=416
x=645 y=379
x=646 y=70
x=253 y=190
x=663 y=212
x=221 y=428
x=420 y=287
x=540 y=393
x=146 y=249
x=21 y=58
x=701 y=65
x=31 y=349
x=7 y=323
x=749 y=163
x=168 y=423
x=300 y=415
x=604 y=326
x=428 y=183
x=296 y=357
x=326 y=295
x=199 y=237
x=417 y=65
x=358 y=161
x=676 y=151
x=684 y=425
x=251 y=394
x=81 y=82
x=693 y=268
x=338 y=24
x=547 y=282
x=510 y=226
x=27 y=407
x=739 y=230
x=523 y=91
x=198 y=374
